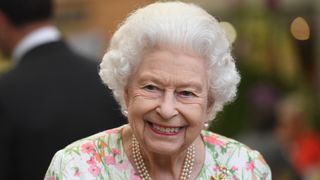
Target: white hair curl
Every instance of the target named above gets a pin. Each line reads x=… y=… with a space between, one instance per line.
x=179 y=25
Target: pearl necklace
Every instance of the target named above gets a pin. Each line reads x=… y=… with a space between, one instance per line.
x=143 y=171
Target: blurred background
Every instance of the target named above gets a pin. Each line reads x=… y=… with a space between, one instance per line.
x=276 y=44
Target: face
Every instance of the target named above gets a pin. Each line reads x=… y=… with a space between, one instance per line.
x=167 y=100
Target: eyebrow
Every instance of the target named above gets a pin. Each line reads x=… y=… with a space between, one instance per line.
x=184 y=84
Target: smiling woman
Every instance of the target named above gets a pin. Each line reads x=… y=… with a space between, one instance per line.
x=168 y=92
x=170 y=68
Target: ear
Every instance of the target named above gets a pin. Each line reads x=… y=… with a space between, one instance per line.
x=210 y=103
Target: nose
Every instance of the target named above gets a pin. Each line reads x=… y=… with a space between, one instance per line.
x=167 y=107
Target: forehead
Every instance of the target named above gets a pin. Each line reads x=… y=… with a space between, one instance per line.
x=172 y=64
x=173 y=57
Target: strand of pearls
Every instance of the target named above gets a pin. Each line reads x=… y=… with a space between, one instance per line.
x=143 y=171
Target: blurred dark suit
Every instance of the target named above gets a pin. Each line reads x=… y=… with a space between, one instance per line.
x=51 y=98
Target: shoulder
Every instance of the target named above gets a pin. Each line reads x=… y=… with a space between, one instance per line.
x=94 y=143
x=96 y=156
x=220 y=144
x=226 y=156
x=87 y=144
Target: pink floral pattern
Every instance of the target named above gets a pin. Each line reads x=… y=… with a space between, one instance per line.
x=102 y=156
x=76 y=172
x=110 y=160
x=250 y=166
x=87 y=148
x=213 y=140
x=94 y=170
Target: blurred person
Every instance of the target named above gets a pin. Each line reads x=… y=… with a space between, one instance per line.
x=262 y=98
x=51 y=97
x=300 y=142
x=171 y=70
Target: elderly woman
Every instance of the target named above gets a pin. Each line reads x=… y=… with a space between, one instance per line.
x=170 y=68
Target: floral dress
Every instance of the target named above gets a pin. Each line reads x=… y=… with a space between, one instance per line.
x=102 y=156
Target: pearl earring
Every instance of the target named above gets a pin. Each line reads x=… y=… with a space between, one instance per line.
x=206 y=125
x=125 y=112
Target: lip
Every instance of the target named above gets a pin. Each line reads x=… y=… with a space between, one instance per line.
x=165 y=130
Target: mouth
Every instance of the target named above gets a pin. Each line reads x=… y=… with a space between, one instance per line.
x=164 y=130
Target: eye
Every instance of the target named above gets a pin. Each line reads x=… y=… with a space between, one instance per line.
x=186 y=94
x=150 y=87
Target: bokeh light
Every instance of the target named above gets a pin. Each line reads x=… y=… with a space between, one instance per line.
x=230 y=30
x=300 y=29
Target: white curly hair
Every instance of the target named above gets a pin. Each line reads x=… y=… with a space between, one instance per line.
x=174 y=24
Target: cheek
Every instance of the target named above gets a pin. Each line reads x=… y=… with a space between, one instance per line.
x=135 y=119
x=196 y=114
x=195 y=117
x=139 y=105
x=138 y=108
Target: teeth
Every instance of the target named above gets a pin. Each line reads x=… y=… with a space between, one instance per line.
x=166 y=130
